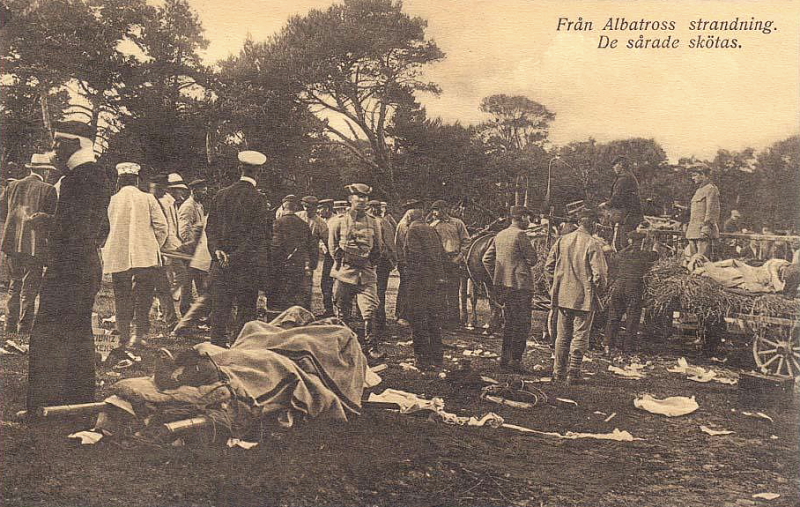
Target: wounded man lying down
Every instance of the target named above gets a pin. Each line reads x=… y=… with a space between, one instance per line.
x=290 y=366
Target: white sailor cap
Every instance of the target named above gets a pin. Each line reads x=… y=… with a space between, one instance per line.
x=128 y=168
x=251 y=157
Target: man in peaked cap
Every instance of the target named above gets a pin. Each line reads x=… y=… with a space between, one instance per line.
x=355 y=240
x=295 y=254
x=509 y=260
x=326 y=281
x=704 y=212
x=455 y=241
x=131 y=254
x=386 y=263
x=163 y=290
x=62 y=360
x=25 y=206
x=191 y=227
x=578 y=273
x=238 y=239
x=285 y=202
x=319 y=232
x=625 y=205
x=401 y=308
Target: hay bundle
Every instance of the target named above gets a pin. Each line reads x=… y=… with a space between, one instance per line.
x=669 y=285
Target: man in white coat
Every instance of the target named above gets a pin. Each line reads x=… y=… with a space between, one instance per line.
x=138 y=229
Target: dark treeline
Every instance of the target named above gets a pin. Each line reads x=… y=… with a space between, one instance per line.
x=331 y=98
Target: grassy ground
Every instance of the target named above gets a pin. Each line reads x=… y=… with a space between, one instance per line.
x=384 y=458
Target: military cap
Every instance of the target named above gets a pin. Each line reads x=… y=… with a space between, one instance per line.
x=289 y=198
x=374 y=204
x=251 y=157
x=411 y=204
x=326 y=202
x=128 y=168
x=197 y=183
x=518 y=211
x=358 y=189
x=310 y=200
x=440 y=204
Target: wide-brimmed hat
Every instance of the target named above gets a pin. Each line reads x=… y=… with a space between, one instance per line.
x=40 y=161
x=310 y=200
x=175 y=180
x=198 y=183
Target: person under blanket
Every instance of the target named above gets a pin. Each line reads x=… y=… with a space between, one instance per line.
x=774 y=276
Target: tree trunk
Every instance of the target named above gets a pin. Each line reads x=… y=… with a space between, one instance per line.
x=45 y=106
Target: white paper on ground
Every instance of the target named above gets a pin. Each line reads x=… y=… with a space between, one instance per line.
x=761 y=415
x=619 y=436
x=626 y=372
x=567 y=400
x=121 y=404
x=408 y=367
x=714 y=433
x=87 y=437
x=698 y=374
x=766 y=496
x=673 y=406
x=408 y=402
x=613 y=415
x=235 y=442
x=371 y=379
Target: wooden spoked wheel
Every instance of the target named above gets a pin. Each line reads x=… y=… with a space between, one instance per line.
x=778 y=352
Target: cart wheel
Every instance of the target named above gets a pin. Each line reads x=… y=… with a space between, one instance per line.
x=778 y=355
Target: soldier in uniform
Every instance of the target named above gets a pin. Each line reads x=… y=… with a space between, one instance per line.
x=355 y=241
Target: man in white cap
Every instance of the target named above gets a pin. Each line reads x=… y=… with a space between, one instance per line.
x=238 y=239
x=131 y=254
x=22 y=207
x=62 y=360
x=355 y=240
x=172 y=200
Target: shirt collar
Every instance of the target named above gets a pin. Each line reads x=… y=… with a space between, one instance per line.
x=37 y=175
x=248 y=179
x=81 y=156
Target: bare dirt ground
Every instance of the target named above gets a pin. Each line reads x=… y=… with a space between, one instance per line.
x=384 y=458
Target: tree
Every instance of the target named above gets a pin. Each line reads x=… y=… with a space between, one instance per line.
x=779 y=178
x=516 y=122
x=354 y=64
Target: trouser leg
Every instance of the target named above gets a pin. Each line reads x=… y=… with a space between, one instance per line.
x=616 y=308
x=123 y=303
x=326 y=284
x=582 y=328
x=522 y=328
x=246 y=301
x=143 y=283
x=164 y=295
x=15 y=274
x=343 y=294
x=401 y=310
x=435 y=337
x=419 y=335
x=222 y=291
x=563 y=341
x=383 y=283
x=451 y=311
x=191 y=279
x=31 y=283
x=633 y=316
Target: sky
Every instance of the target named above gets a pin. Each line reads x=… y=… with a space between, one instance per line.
x=692 y=101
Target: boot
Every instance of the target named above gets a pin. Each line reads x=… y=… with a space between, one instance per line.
x=574 y=371
x=371 y=341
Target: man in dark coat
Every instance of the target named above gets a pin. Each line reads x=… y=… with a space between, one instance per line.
x=238 y=239
x=424 y=272
x=25 y=240
x=625 y=206
x=295 y=253
x=628 y=269
x=62 y=358
x=509 y=259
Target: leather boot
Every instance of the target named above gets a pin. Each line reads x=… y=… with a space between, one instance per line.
x=371 y=341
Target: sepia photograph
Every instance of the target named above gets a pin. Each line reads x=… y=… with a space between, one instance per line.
x=414 y=253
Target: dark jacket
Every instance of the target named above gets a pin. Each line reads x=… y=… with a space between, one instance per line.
x=629 y=266
x=425 y=259
x=625 y=198
x=293 y=245
x=237 y=224
x=22 y=199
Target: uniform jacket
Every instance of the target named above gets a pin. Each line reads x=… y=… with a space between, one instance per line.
x=22 y=199
x=578 y=270
x=425 y=257
x=509 y=259
x=318 y=226
x=355 y=240
x=625 y=197
x=237 y=224
x=293 y=245
x=704 y=210
x=191 y=220
x=138 y=228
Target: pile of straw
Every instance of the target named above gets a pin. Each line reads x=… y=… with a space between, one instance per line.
x=669 y=286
